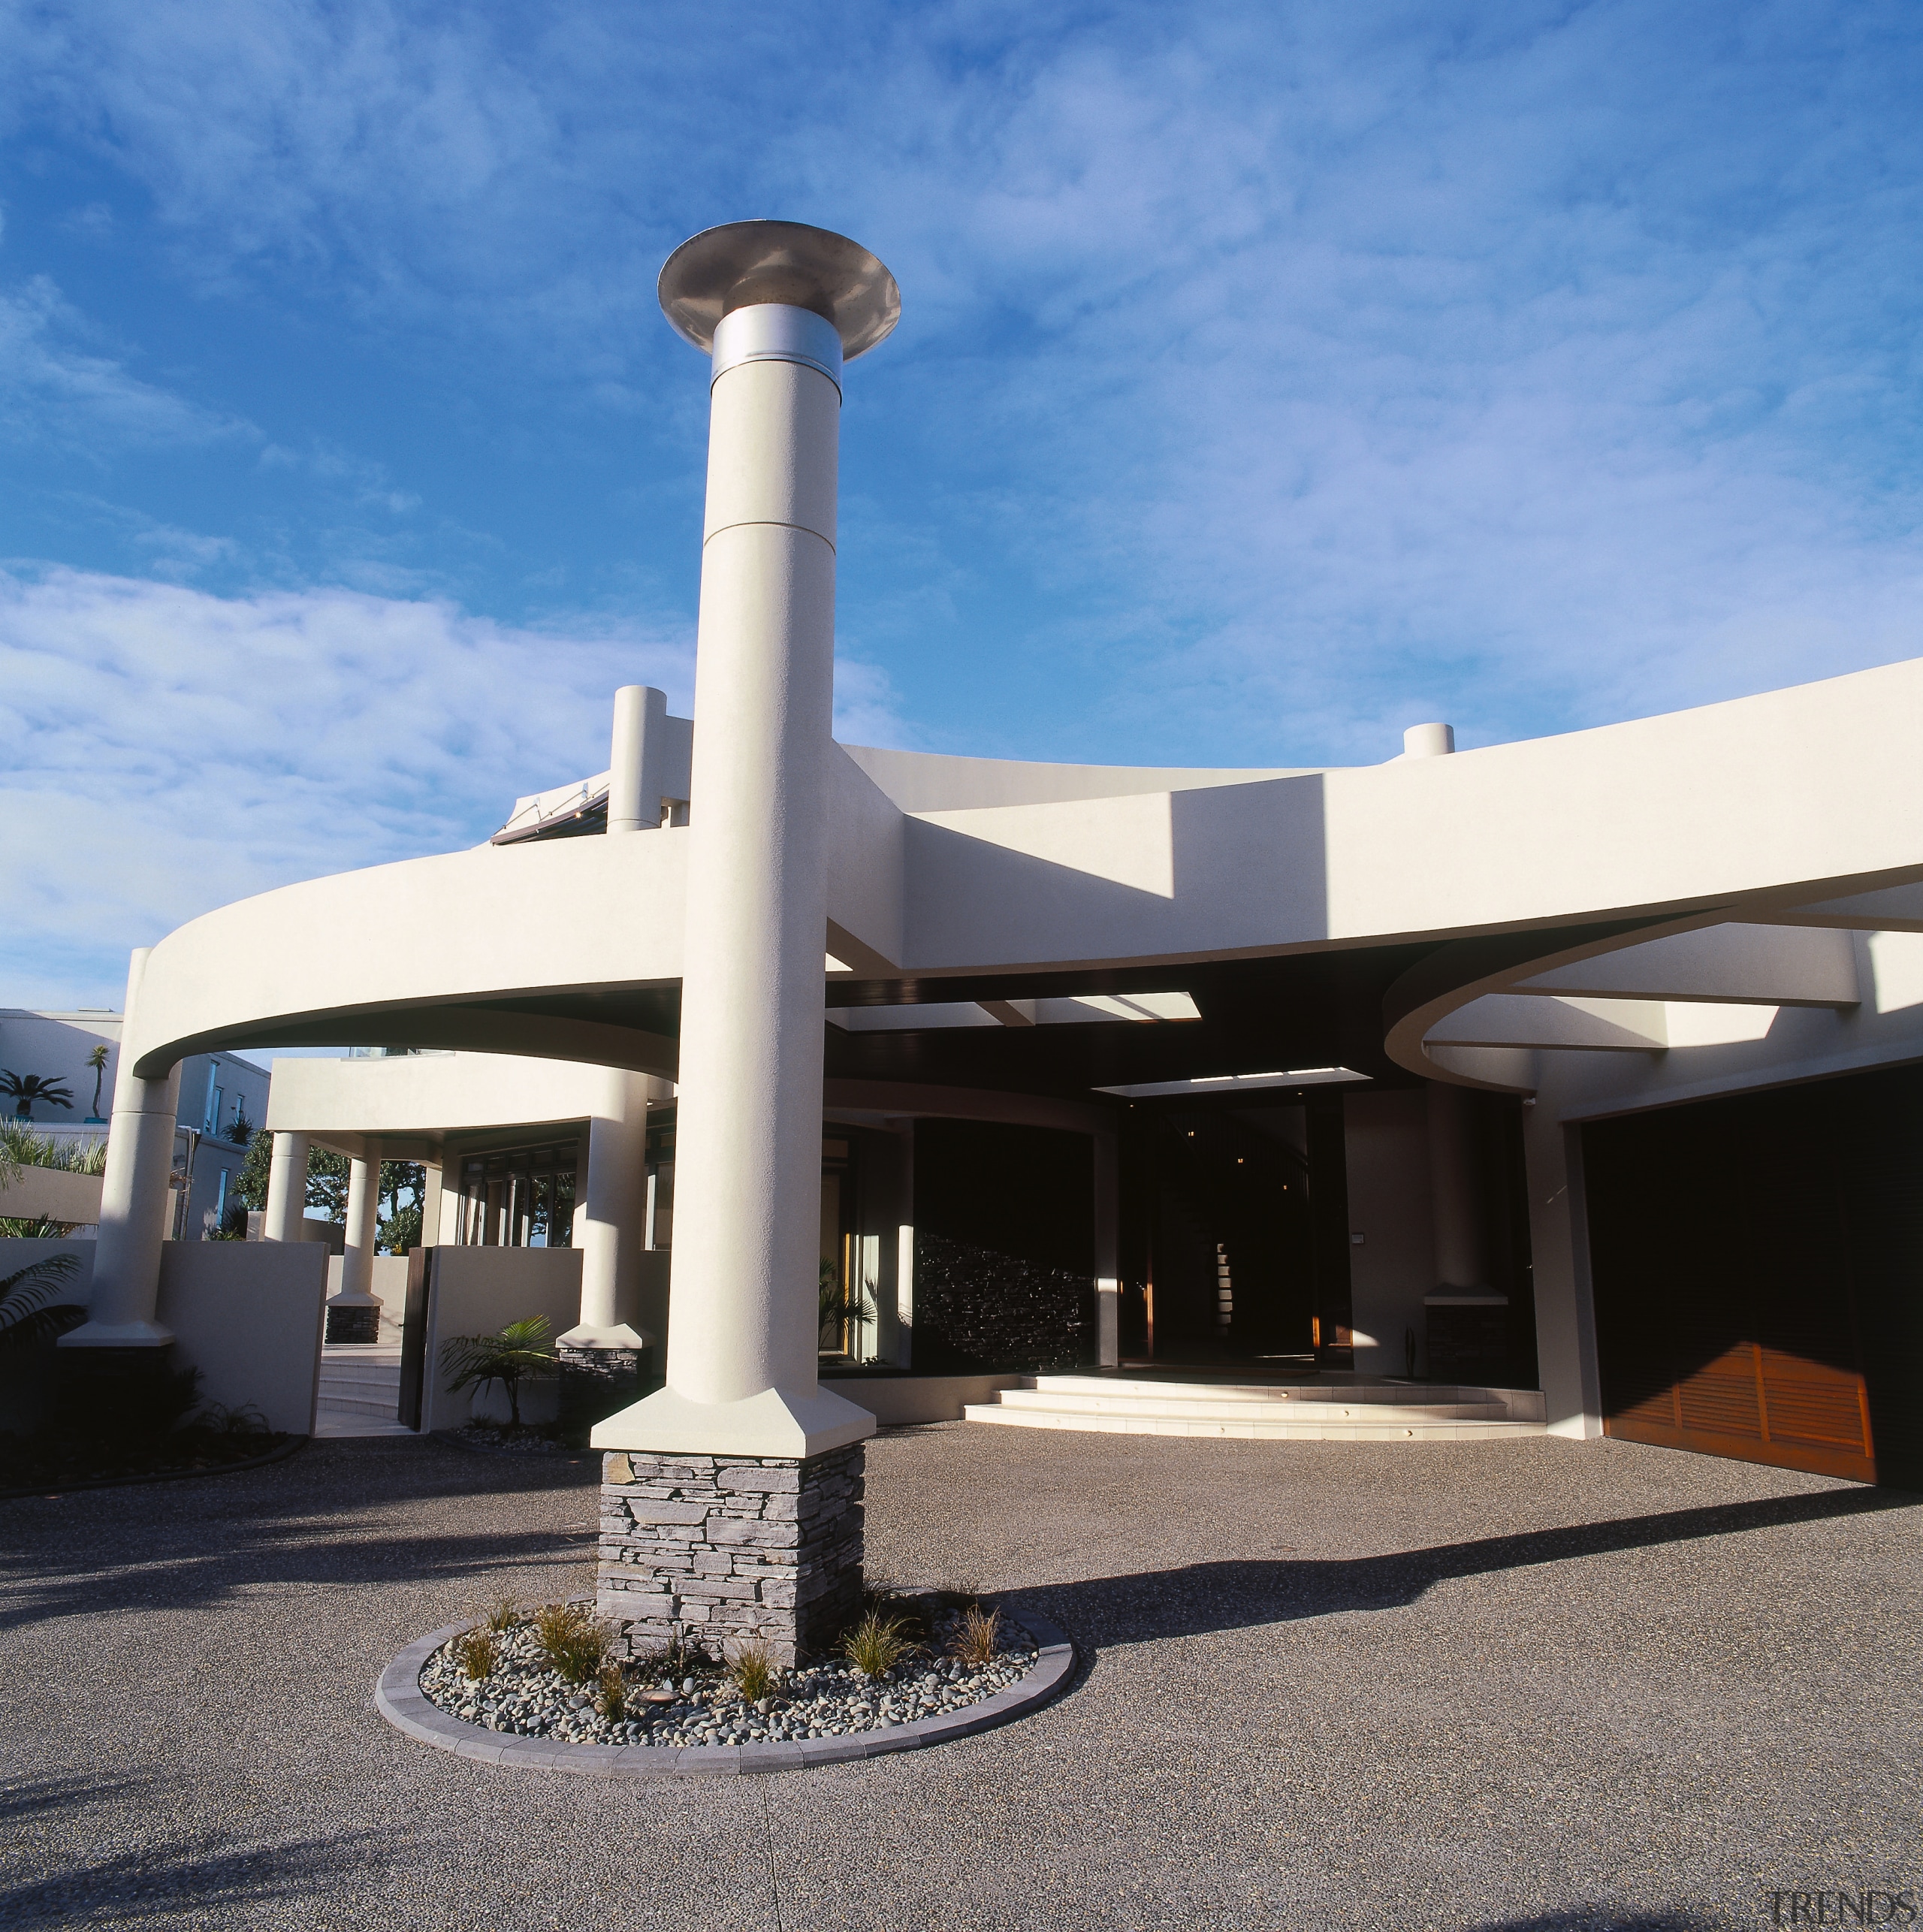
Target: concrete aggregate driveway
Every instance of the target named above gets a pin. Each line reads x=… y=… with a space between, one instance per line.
x=1522 y=1684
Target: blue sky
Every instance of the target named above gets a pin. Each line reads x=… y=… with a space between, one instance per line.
x=1269 y=378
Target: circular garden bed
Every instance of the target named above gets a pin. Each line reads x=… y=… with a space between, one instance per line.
x=538 y=1687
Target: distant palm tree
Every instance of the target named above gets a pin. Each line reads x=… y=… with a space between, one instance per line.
x=25 y=1088
x=97 y=1060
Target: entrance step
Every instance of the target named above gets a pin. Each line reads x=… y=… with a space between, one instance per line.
x=330 y=1424
x=1349 y=1411
x=360 y=1391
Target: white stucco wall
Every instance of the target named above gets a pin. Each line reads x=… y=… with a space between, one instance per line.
x=248 y=1314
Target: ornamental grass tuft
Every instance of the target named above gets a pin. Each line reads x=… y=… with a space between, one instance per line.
x=876 y=1644
x=753 y=1670
x=977 y=1636
x=503 y=1613
x=475 y=1653
x=612 y=1702
x=572 y=1641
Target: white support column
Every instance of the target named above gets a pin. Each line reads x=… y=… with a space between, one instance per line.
x=287 y=1188
x=743 y=1335
x=134 y=1198
x=1565 y=1344
x=1108 y=1247
x=638 y=759
x=364 y=1209
x=607 y=1226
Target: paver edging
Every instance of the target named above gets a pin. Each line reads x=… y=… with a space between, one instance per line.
x=400 y=1699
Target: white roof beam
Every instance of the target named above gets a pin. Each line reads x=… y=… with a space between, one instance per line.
x=1894 y=908
x=1738 y=965
x=1507 y=1019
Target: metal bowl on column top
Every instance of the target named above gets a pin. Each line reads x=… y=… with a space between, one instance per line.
x=712 y=274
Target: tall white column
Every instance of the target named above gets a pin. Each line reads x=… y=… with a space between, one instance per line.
x=743 y=1321
x=1455 y=1192
x=637 y=761
x=363 y=1210
x=607 y=1226
x=133 y=1198
x=287 y=1188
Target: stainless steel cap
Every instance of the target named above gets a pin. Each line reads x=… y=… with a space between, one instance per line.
x=734 y=266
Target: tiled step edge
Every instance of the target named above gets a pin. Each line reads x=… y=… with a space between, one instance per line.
x=1315 y=1429
x=400 y=1699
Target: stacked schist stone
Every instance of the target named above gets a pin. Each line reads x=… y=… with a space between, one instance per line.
x=721 y=1549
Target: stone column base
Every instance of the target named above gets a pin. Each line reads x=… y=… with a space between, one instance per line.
x=596 y=1383
x=355 y=1324
x=723 y=1550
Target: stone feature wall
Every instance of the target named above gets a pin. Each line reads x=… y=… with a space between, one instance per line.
x=720 y=1550
x=976 y=1308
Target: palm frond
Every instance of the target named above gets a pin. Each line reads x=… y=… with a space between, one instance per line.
x=31 y=1294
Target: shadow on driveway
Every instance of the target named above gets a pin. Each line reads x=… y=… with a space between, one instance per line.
x=337 y=1513
x=180 y=1879
x=1201 y=1597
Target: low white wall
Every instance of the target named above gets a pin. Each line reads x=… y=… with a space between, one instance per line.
x=1386 y=1141
x=389 y=1288
x=53 y=1192
x=478 y=1291
x=893 y=1400
x=247 y=1315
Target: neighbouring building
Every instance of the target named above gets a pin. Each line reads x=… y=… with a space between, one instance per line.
x=223 y=1098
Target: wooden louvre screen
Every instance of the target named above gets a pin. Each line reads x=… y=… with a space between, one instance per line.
x=1725 y=1295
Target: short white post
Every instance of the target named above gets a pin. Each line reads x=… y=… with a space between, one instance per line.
x=639 y=759
x=1428 y=741
x=134 y=1198
x=287 y=1188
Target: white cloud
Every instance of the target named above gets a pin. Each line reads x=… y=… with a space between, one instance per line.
x=52 y=388
x=867 y=709
x=170 y=751
x=1273 y=376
